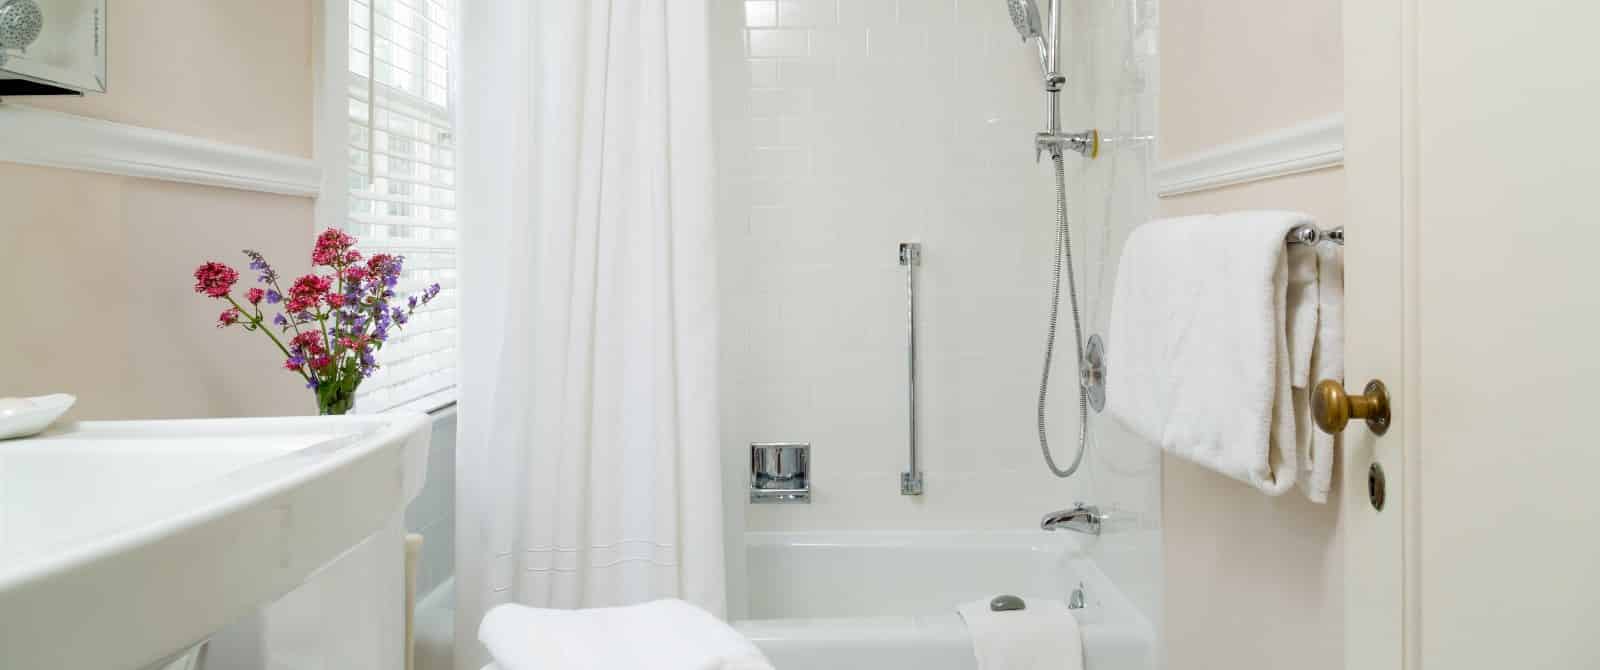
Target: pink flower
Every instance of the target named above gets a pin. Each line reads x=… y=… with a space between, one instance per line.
x=335 y=300
x=229 y=317
x=355 y=273
x=378 y=263
x=307 y=292
x=255 y=295
x=332 y=246
x=352 y=256
x=309 y=342
x=214 y=279
x=308 y=348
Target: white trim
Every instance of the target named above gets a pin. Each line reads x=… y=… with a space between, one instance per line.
x=433 y=404
x=331 y=111
x=54 y=139
x=1312 y=145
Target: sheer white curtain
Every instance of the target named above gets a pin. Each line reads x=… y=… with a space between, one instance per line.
x=588 y=467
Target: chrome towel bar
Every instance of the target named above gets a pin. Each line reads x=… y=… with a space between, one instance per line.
x=1309 y=234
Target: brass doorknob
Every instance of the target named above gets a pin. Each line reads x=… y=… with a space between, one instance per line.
x=1333 y=409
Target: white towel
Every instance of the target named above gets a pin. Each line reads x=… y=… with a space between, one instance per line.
x=659 y=635
x=1043 y=636
x=1327 y=362
x=1214 y=338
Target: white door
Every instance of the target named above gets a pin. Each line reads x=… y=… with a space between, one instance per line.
x=1473 y=290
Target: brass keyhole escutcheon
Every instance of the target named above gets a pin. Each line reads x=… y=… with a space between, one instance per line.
x=1333 y=409
x=1376 y=486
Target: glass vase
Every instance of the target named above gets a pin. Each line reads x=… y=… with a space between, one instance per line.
x=335 y=401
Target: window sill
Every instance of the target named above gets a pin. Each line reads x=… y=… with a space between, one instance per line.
x=436 y=405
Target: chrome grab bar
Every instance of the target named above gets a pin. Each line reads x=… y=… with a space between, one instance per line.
x=910 y=258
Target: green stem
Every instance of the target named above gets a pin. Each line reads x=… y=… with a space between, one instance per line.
x=322 y=320
x=284 y=296
x=257 y=322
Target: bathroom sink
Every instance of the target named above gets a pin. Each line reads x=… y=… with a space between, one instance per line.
x=122 y=543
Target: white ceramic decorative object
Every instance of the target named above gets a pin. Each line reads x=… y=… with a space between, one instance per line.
x=21 y=417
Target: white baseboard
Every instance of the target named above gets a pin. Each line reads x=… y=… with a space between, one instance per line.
x=46 y=138
x=1313 y=145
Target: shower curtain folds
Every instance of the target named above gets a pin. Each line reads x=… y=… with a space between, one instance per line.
x=588 y=470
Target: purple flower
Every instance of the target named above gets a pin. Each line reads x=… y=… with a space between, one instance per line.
x=399 y=317
x=273 y=297
x=280 y=322
x=259 y=264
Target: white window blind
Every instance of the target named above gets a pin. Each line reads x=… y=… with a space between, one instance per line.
x=402 y=179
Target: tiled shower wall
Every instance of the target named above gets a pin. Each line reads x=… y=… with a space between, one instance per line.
x=849 y=126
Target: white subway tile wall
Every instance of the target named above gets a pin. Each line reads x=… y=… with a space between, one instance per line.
x=848 y=126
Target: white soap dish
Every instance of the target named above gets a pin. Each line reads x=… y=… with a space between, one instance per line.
x=22 y=417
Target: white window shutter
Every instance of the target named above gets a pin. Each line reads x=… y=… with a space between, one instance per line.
x=402 y=186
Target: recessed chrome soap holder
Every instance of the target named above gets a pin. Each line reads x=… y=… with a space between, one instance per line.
x=780 y=472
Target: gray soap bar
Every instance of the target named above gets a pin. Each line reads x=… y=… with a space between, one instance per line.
x=1006 y=604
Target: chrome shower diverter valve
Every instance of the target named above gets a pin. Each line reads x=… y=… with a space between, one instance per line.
x=1086 y=143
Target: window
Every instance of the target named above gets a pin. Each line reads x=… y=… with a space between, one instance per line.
x=401 y=176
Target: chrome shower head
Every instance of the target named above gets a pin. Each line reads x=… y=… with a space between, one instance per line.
x=1025 y=16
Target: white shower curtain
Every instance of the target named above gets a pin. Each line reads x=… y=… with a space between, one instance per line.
x=588 y=472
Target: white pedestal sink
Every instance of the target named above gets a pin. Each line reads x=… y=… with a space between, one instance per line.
x=123 y=543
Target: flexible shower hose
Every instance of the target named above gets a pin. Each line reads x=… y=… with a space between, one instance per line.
x=1063 y=252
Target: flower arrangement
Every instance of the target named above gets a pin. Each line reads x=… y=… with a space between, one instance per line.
x=331 y=326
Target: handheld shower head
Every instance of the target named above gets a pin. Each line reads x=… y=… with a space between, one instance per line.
x=20 y=23
x=1025 y=16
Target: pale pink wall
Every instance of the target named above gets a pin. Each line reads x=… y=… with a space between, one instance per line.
x=95 y=269
x=1234 y=68
x=1252 y=582
x=234 y=71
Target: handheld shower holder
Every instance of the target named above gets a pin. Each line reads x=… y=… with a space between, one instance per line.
x=1086 y=143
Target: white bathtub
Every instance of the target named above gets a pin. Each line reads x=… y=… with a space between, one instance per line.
x=886 y=600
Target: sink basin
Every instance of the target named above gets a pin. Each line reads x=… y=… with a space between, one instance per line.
x=122 y=543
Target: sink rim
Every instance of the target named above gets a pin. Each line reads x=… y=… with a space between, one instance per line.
x=213 y=498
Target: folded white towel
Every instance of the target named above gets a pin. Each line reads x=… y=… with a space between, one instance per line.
x=659 y=635
x=1327 y=362
x=1214 y=338
x=1043 y=636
